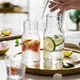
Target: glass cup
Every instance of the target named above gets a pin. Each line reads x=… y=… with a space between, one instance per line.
x=15 y=69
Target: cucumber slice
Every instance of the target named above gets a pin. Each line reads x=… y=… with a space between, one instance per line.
x=49 y=44
x=58 y=39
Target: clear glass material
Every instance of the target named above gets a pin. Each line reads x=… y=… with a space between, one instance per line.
x=46 y=9
x=31 y=44
x=53 y=42
x=15 y=69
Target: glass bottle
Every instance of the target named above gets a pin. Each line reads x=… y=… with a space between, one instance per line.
x=31 y=44
x=53 y=42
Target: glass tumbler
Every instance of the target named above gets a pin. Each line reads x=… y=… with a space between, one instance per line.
x=53 y=42
x=15 y=69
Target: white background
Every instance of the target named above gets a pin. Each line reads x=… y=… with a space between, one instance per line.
x=35 y=7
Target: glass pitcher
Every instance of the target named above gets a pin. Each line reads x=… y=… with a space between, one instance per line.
x=53 y=42
x=31 y=44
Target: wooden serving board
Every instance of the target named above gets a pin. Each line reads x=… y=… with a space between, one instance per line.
x=44 y=70
x=10 y=37
x=50 y=72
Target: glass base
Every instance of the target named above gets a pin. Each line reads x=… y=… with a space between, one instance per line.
x=31 y=63
x=15 y=78
x=54 y=64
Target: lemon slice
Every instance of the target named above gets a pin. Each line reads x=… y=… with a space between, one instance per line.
x=58 y=39
x=67 y=53
x=6 y=32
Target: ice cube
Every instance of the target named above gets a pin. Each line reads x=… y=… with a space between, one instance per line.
x=57 y=76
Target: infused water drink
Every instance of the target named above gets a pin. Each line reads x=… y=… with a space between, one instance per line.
x=31 y=44
x=15 y=69
x=53 y=42
x=15 y=72
x=31 y=50
x=54 y=50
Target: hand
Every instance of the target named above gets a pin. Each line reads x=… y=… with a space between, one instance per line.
x=64 y=5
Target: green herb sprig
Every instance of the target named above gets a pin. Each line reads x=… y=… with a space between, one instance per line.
x=17 y=43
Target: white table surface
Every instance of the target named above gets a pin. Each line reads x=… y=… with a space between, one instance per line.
x=3 y=74
x=13 y=49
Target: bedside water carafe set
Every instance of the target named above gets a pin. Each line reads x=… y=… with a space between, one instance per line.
x=53 y=43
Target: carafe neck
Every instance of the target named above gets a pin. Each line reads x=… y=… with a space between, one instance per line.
x=30 y=27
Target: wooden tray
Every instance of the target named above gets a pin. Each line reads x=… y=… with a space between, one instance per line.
x=50 y=72
x=44 y=70
x=10 y=37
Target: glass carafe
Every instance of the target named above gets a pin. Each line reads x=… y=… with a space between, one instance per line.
x=53 y=42
x=31 y=44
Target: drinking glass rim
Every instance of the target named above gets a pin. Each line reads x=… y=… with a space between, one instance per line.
x=6 y=58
